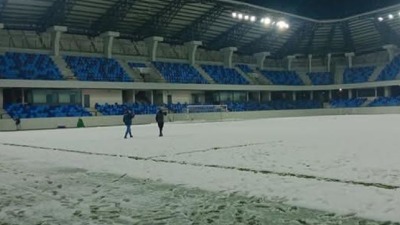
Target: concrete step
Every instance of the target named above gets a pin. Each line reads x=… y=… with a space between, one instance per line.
x=376 y=73
x=306 y=79
x=261 y=78
x=154 y=75
x=133 y=73
x=204 y=74
x=245 y=76
x=63 y=67
x=366 y=103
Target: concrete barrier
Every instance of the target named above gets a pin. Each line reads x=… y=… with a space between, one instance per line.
x=53 y=123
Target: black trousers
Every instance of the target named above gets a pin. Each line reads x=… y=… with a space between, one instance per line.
x=160 y=126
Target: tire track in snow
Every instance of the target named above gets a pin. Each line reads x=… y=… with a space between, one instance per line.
x=266 y=172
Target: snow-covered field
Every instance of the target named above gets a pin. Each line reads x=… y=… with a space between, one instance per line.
x=348 y=167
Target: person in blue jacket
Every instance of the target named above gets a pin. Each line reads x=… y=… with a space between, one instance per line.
x=128 y=117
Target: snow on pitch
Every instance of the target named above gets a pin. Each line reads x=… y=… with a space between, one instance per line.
x=345 y=165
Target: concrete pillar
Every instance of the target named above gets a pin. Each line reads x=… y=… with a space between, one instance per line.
x=108 y=40
x=388 y=92
x=290 y=61
x=269 y=96
x=294 y=96
x=330 y=94
x=56 y=32
x=329 y=63
x=228 y=55
x=261 y=59
x=350 y=56
x=376 y=92
x=1 y=26
x=390 y=50
x=152 y=44
x=312 y=95
x=309 y=63
x=192 y=49
x=350 y=93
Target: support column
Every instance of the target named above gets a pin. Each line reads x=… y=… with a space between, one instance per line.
x=330 y=95
x=350 y=56
x=261 y=59
x=1 y=26
x=269 y=96
x=152 y=44
x=350 y=93
x=108 y=40
x=328 y=66
x=290 y=61
x=390 y=50
x=56 y=32
x=312 y=95
x=309 y=63
x=388 y=92
x=376 y=92
x=294 y=96
x=228 y=55
x=192 y=49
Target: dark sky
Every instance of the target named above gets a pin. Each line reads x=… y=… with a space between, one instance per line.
x=324 y=9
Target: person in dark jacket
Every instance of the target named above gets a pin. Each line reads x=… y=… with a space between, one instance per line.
x=17 y=123
x=128 y=117
x=160 y=120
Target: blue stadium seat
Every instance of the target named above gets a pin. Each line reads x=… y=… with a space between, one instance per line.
x=321 y=78
x=222 y=75
x=273 y=105
x=391 y=70
x=120 y=109
x=245 y=68
x=348 y=103
x=357 y=74
x=45 y=111
x=97 y=69
x=137 y=65
x=28 y=66
x=385 y=101
x=179 y=73
x=282 y=77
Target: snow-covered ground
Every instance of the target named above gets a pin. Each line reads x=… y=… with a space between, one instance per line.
x=347 y=166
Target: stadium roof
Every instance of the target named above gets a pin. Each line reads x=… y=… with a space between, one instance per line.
x=210 y=21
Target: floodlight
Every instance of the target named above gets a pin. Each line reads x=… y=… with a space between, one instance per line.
x=253 y=19
x=282 y=25
x=234 y=14
x=246 y=17
x=390 y=16
x=267 y=21
x=240 y=16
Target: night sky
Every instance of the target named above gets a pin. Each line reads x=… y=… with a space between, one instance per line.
x=324 y=9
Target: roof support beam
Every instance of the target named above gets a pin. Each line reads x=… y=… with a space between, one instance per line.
x=3 y=4
x=200 y=26
x=309 y=47
x=328 y=46
x=114 y=15
x=386 y=33
x=159 y=22
x=56 y=14
x=293 y=42
x=348 y=40
x=232 y=36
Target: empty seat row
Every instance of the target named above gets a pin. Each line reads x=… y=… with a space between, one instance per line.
x=245 y=68
x=385 y=101
x=358 y=74
x=348 y=103
x=120 y=109
x=282 y=77
x=321 y=78
x=223 y=75
x=46 y=111
x=391 y=70
x=97 y=69
x=28 y=66
x=179 y=73
x=137 y=65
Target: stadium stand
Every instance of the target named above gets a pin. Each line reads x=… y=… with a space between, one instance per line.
x=245 y=68
x=223 y=75
x=97 y=69
x=282 y=77
x=179 y=73
x=28 y=66
x=321 y=78
x=357 y=74
x=46 y=111
x=119 y=109
x=385 y=101
x=347 y=103
x=137 y=65
x=391 y=70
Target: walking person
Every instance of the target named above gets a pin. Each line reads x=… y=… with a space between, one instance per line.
x=17 y=122
x=160 y=120
x=128 y=117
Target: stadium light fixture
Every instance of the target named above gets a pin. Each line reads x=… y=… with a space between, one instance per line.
x=390 y=16
x=246 y=17
x=282 y=25
x=380 y=19
x=240 y=16
x=266 y=21
x=234 y=14
x=253 y=19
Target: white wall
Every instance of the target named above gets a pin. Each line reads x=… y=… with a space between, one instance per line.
x=103 y=96
x=182 y=96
